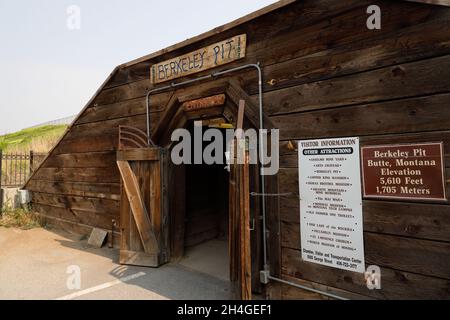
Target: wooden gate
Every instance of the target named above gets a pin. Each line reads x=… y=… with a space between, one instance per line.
x=143 y=203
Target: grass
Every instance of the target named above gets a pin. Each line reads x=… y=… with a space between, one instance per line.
x=18 y=218
x=39 y=139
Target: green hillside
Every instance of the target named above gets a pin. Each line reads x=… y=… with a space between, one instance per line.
x=39 y=139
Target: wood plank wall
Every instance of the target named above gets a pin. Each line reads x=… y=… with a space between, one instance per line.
x=325 y=75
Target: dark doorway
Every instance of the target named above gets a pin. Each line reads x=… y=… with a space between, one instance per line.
x=206 y=217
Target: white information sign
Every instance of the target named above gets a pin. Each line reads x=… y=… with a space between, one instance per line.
x=331 y=224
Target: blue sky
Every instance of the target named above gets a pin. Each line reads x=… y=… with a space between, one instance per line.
x=49 y=71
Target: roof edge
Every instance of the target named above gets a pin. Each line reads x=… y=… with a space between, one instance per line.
x=237 y=22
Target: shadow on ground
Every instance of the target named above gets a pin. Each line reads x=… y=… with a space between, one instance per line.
x=171 y=281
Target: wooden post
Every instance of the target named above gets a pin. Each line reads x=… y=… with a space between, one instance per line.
x=240 y=118
x=6 y=167
x=22 y=155
x=245 y=255
x=239 y=202
x=15 y=170
x=31 y=161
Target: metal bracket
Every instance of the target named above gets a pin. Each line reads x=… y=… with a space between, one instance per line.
x=264 y=276
x=256 y=194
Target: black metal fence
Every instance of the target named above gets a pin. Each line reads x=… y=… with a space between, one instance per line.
x=16 y=167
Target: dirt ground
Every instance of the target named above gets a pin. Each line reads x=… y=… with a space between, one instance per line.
x=34 y=265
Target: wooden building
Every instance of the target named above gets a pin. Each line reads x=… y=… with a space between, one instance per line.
x=325 y=73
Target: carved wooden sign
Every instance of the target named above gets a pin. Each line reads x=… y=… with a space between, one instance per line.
x=204 y=103
x=408 y=171
x=209 y=57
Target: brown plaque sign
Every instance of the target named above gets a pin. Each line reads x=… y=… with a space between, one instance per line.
x=412 y=171
x=209 y=57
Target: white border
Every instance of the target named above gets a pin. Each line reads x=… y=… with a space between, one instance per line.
x=441 y=145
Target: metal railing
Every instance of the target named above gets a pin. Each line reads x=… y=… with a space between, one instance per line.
x=16 y=167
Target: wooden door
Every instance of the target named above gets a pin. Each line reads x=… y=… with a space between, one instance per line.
x=143 y=208
x=239 y=226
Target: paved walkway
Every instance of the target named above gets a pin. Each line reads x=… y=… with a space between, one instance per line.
x=34 y=263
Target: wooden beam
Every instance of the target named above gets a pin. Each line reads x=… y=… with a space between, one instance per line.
x=170 y=111
x=240 y=118
x=235 y=93
x=138 y=154
x=244 y=241
x=138 y=258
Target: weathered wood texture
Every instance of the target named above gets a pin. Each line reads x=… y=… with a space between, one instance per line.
x=387 y=101
x=325 y=74
x=142 y=215
x=139 y=211
x=214 y=55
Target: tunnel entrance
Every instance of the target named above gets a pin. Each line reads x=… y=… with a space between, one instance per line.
x=206 y=217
